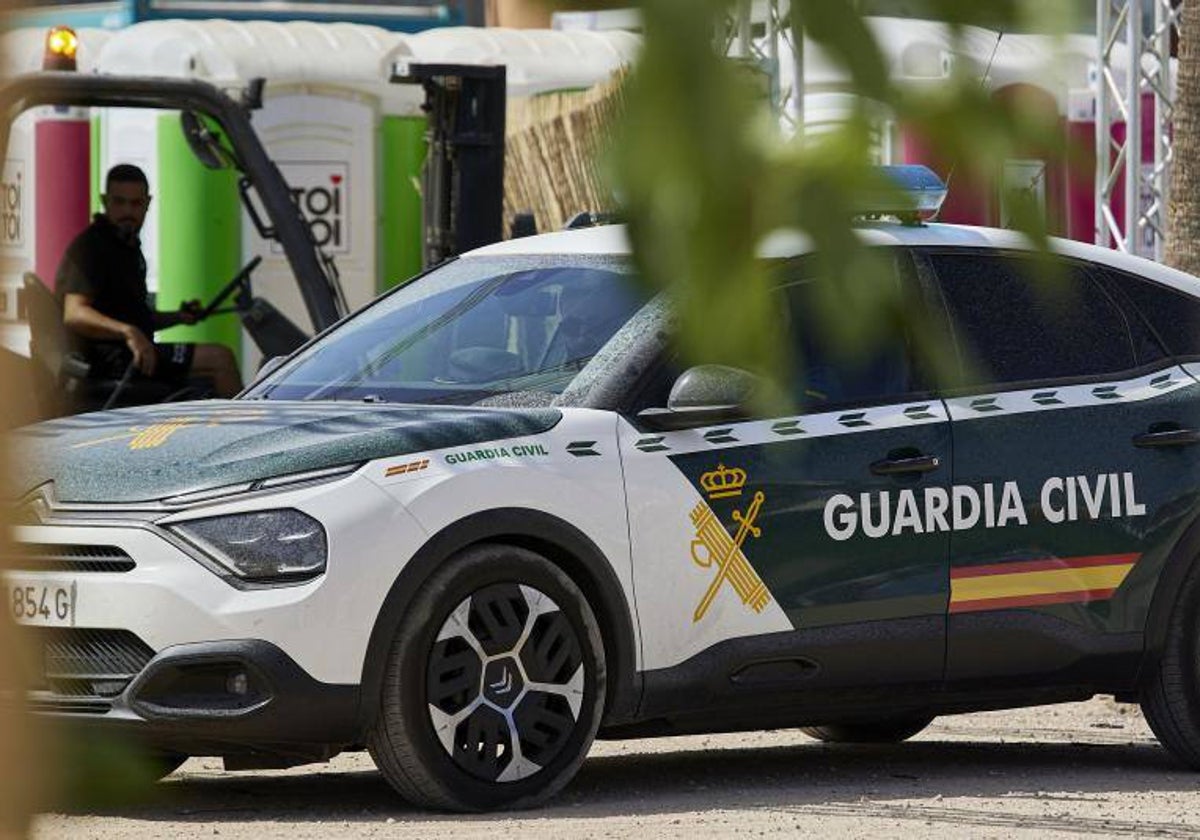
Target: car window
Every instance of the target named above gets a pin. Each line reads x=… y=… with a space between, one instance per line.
x=827 y=375
x=1173 y=315
x=470 y=331
x=1016 y=324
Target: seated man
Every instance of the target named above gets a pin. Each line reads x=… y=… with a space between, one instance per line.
x=102 y=283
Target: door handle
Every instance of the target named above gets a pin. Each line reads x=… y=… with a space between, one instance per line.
x=901 y=466
x=1167 y=437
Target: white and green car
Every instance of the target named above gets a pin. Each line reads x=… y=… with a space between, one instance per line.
x=490 y=518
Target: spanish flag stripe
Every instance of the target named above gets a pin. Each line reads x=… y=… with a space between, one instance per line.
x=1041 y=565
x=1039 y=583
x=1044 y=599
x=398 y=469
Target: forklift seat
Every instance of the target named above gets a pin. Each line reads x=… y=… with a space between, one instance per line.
x=63 y=380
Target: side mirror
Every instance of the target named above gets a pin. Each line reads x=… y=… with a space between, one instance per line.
x=704 y=395
x=203 y=143
x=268 y=367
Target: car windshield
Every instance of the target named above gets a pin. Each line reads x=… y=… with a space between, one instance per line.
x=470 y=331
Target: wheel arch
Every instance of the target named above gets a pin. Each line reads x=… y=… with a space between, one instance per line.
x=562 y=544
x=1183 y=559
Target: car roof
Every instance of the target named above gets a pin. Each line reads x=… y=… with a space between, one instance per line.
x=612 y=240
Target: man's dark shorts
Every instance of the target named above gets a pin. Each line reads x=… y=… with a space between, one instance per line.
x=174 y=362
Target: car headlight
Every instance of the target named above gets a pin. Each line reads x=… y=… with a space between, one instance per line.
x=269 y=546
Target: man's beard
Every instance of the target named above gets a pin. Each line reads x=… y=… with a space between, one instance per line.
x=127 y=230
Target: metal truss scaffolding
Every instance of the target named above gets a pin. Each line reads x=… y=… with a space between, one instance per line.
x=753 y=33
x=1134 y=87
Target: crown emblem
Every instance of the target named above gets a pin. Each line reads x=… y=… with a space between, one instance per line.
x=723 y=482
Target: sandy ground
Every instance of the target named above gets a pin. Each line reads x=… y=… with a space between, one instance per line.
x=1090 y=768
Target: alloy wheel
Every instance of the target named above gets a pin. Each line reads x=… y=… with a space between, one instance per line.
x=505 y=682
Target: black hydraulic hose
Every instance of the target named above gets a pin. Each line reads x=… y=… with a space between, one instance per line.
x=121 y=385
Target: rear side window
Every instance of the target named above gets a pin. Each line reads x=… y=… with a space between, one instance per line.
x=1173 y=315
x=1016 y=326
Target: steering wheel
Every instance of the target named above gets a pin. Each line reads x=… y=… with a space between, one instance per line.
x=482 y=364
x=241 y=280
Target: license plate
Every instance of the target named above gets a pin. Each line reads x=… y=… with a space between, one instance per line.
x=43 y=603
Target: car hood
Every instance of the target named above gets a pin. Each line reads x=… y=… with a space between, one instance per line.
x=154 y=452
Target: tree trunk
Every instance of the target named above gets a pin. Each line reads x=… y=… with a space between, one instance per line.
x=1183 y=231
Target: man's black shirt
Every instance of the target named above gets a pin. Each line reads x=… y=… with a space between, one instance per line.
x=112 y=273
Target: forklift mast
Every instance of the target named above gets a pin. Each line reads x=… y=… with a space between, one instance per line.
x=463 y=179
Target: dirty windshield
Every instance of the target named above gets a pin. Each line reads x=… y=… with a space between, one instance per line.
x=475 y=329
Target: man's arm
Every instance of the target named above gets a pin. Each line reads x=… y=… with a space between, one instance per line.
x=81 y=318
x=188 y=313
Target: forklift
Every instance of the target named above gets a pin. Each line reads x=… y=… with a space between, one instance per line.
x=216 y=125
x=462 y=184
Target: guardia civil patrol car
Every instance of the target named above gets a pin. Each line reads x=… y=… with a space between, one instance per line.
x=493 y=516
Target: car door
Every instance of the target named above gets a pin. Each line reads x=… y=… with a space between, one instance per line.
x=793 y=551
x=1072 y=492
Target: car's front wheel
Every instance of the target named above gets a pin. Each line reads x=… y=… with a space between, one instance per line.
x=494 y=685
x=890 y=731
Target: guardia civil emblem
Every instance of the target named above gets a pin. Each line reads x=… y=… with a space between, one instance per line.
x=157 y=434
x=714 y=547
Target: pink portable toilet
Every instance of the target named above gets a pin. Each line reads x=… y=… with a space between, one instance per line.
x=923 y=54
x=47 y=172
x=1027 y=72
x=62 y=181
x=46 y=181
x=62 y=167
x=1053 y=74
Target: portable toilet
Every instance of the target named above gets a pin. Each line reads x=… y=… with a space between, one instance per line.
x=915 y=52
x=45 y=182
x=1019 y=69
x=348 y=142
x=1057 y=74
x=1041 y=71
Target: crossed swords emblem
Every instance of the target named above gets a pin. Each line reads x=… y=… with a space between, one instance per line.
x=714 y=546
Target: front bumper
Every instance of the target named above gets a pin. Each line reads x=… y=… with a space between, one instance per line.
x=232 y=697
x=164 y=651
x=129 y=572
x=155 y=637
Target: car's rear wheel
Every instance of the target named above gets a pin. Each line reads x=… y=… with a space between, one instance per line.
x=1171 y=693
x=494 y=686
x=890 y=731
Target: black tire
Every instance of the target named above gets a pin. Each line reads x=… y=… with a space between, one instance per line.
x=1171 y=694
x=492 y=619
x=878 y=732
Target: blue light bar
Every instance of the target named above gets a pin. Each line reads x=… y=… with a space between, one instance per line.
x=919 y=193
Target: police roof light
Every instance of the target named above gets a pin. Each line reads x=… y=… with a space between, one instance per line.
x=61 y=44
x=917 y=193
